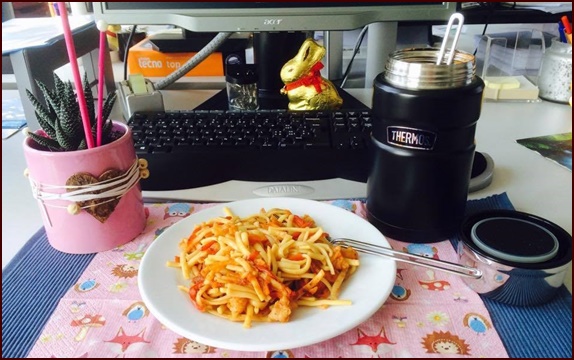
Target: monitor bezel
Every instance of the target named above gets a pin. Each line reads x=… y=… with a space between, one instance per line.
x=269 y=16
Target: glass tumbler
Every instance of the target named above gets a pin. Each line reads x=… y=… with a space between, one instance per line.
x=241 y=81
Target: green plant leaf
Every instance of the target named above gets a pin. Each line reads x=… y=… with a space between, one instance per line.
x=107 y=132
x=83 y=145
x=45 y=125
x=71 y=104
x=51 y=98
x=88 y=95
x=45 y=118
x=109 y=105
x=61 y=118
x=59 y=86
x=69 y=115
x=65 y=141
x=45 y=142
x=69 y=126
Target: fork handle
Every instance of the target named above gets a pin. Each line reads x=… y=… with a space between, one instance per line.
x=418 y=260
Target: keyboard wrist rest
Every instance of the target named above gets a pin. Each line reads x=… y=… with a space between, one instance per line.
x=233 y=190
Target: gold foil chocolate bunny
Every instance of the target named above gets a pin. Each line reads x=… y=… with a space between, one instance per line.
x=304 y=85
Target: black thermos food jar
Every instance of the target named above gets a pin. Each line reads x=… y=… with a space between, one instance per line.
x=424 y=121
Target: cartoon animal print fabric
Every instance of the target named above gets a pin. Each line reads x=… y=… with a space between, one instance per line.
x=427 y=314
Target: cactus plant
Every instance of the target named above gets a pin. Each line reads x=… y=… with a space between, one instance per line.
x=61 y=119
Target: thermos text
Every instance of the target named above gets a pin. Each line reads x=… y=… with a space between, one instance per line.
x=410 y=138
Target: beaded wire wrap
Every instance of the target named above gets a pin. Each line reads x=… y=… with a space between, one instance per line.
x=110 y=189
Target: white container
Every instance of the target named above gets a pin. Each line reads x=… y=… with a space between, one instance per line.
x=555 y=78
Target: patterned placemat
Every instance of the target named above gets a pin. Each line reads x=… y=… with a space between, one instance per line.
x=41 y=284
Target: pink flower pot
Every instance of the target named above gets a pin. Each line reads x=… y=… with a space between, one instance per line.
x=83 y=232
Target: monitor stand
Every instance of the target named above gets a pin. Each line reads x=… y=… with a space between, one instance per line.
x=219 y=102
x=271 y=50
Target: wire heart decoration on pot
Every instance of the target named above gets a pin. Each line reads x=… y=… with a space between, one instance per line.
x=100 y=208
x=99 y=196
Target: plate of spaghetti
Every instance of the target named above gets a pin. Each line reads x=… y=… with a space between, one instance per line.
x=261 y=274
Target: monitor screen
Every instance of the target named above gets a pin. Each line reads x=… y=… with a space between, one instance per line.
x=269 y=16
x=280 y=27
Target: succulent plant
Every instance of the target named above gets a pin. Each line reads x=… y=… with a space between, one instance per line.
x=61 y=119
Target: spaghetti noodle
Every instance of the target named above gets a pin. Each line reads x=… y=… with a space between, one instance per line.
x=262 y=267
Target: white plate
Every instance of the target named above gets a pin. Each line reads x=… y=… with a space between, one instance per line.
x=368 y=288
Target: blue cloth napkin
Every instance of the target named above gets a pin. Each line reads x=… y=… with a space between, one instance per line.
x=32 y=285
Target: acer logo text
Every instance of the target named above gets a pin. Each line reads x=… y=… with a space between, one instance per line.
x=272 y=21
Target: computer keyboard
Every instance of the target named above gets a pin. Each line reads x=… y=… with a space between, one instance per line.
x=188 y=149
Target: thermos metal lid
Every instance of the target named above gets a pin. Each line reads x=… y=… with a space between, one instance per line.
x=416 y=69
x=517 y=239
x=514 y=239
x=525 y=257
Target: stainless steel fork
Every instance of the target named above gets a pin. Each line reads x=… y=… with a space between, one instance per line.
x=418 y=260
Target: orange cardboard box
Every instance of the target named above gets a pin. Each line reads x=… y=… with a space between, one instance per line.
x=143 y=59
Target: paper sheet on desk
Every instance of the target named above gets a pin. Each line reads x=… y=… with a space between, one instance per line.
x=17 y=33
x=549 y=7
x=12 y=114
x=557 y=148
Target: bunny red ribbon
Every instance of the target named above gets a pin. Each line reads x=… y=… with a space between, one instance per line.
x=313 y=78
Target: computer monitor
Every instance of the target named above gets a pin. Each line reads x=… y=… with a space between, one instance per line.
x=279 y=26
x=270 y=16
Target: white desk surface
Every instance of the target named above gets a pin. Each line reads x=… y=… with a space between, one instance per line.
x=534 y=184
